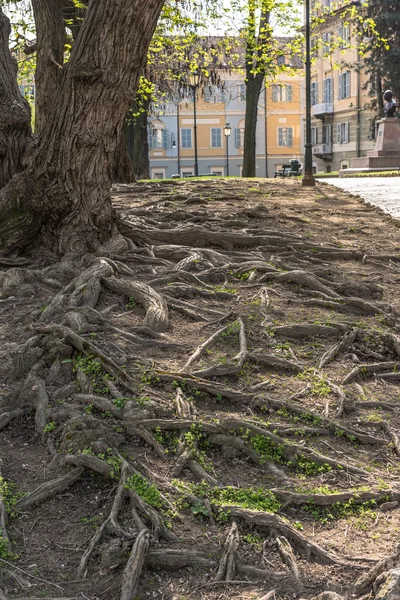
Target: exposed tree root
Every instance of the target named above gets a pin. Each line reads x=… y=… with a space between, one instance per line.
x=155 y=305
x=49 y=489
x=369 y=369
x=134 y=566
x=286 y=552
x=227 y=564
x=276 y=524
x=89 y=349
x=365 y=582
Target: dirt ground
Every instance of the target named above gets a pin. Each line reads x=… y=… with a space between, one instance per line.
x=210 y=412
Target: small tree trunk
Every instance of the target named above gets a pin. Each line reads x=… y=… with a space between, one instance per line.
x=63 y=198
x=15 y=114
x=50 y=36
x=253 y=90
x=140 y=161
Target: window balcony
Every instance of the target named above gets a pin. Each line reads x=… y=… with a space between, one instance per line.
x=322 y=149
x=320 y=110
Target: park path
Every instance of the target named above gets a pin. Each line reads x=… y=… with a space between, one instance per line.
x=380 y=191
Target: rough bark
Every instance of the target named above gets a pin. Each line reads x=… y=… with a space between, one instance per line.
x=15 y=113
x=123 y=170
x=50 y=32
x=64 y=194
x=140 y=159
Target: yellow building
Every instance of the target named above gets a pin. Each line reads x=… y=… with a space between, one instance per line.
x=279 y=122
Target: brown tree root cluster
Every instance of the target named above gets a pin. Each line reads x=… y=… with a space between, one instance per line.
x=167 y=434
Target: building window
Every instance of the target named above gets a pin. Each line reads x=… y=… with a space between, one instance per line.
x=344 y=36
x=285 y=136
x=282 y=93
x=328 y=90
x=326 y=4
x=344 y=85
x=217 y=172
x=314 y=136
x=216 y=138
x=314 y=48
x=327 y=134
x=239 y=137
x=186 y=138
x=281 y=61
x=187 y=173
x=326 y=41
x=329 y=168
x=343 y=133
x=314 y=93
x=242 y=93
x=158 y=135
x=158 y=175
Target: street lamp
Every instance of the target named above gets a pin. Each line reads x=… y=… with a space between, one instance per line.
x=227 y=133
x=194 y=79
x=308 y=179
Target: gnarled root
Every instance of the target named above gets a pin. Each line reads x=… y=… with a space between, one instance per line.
x=134 y=566
x=286 y=553
x=227 y=564
x=49 y=489
x=276 y=524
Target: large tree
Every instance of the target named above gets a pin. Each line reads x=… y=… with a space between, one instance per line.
x=62 y=199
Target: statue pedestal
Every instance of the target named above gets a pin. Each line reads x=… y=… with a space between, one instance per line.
x=386 y=154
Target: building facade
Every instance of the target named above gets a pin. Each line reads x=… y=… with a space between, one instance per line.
x=343 y=124
x=171 y=131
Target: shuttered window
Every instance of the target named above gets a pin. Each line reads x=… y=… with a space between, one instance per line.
x=314 y=93
x=216 y=138
x=343 y=133
x=328 y=90
x=186 y=138
x=344 y=85
x=285 y=136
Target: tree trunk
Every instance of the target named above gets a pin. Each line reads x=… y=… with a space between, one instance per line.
x=140 y=161
x=15 y=114
x=50 y=38
x=63 y=198
x=253 y=90
x=123 y=170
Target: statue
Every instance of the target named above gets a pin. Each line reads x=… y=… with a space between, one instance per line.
x=390 y=107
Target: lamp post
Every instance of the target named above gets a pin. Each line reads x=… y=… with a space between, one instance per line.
x=308 y=179
x=227 y=133
x=194 y=79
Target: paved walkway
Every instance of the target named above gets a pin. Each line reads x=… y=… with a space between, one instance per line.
x=381 y=191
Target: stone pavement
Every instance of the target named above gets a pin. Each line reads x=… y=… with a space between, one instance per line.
x=380 y=191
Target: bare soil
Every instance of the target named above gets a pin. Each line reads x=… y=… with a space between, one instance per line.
x=135 y=467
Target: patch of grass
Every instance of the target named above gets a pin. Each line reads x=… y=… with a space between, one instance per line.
x=148 y=492
x=49 y=427
x=267 y=449
x=341 y=510
x=319 y=385
x=93 y=369
x=10 y=496
x=131 y=303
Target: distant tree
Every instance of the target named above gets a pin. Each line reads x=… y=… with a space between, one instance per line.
x=382 y=57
